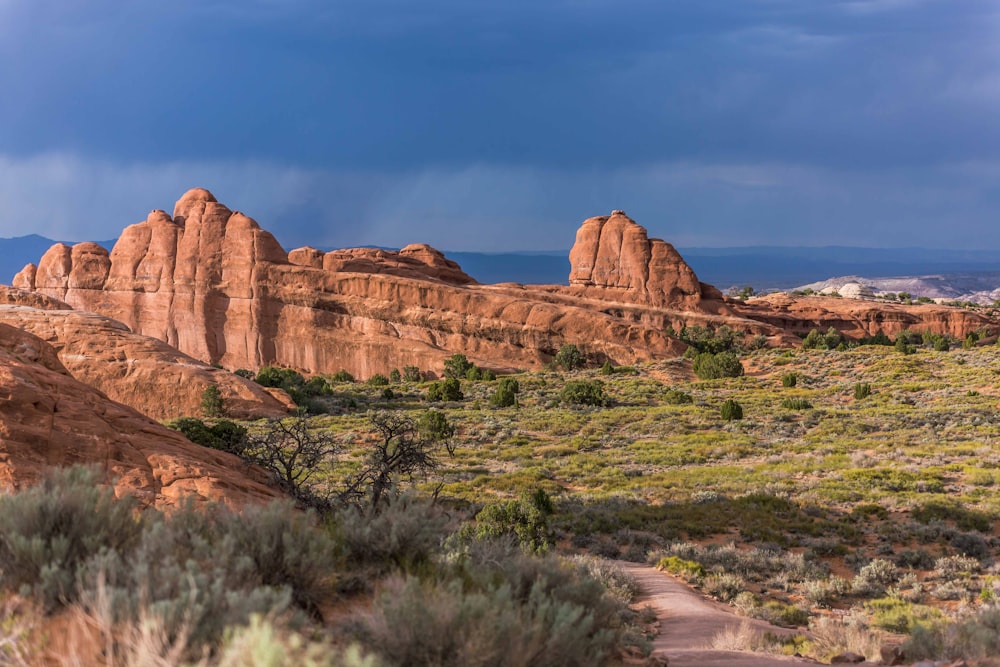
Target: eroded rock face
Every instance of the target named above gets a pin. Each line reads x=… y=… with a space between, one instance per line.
x=48 y=419
x=212 y=283
x=141 y=372
x=859 y=318
x=614 y=254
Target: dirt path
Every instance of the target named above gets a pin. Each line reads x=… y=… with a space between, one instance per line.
x=688 y=622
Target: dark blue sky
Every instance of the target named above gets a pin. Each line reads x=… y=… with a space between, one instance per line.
x=501 y=125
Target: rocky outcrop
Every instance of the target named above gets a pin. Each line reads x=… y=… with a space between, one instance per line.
x=213 y=284
x=48 y=419
x=614 y=257
x=141 y=372
x=859 y=318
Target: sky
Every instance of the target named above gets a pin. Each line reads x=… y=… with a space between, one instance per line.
x=501 y=125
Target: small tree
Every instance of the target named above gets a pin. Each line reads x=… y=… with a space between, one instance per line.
x=400 y=451
x=506 y=393
x=584 y=392
x=378 y=380
x=448 y=389
x=731 y=410
x=708 y=366
x=294 y=454
x=395 y=377
x=412 y=374
x=211 y=402
x=457 y=366
x=526 y=518
x=569 y=357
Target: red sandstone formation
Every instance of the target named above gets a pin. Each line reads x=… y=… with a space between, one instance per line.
x=613 y=256
x=141 y=372
x=859 y=318
x=212 y=283
x=49 y=419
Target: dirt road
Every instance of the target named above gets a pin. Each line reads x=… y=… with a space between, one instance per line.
x=688 y=622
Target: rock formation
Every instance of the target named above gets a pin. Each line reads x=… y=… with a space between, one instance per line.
x=613 y=255
x=49 y=419
x=858 y=318
x=141 y=372
x=212 y=283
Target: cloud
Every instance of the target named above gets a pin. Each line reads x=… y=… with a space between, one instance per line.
x=488 y=207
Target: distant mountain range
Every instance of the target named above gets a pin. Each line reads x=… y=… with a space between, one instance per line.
x=763 y=267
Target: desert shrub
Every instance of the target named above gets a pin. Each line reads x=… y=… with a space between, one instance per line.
x=569 y=357
x=975 y=636
x=688 y=570
x=405 y=533
x=832 y=636
x=725 y=587
x=895 y=615
x=862 y=390
x=964 y=518
x=789 y=379
x=211 y=402
x=703 y=339
x=708 y=366
x=526 y=519
x=395 y=376
x=677 y=397
x=412 y=374
x=262 y=643
x=476 y=373
x=342 y=376
x=283 y=378
x=796 y=404
x=448 y=389
x=378 y=380
x=618 y=583
x=903 y=347
x=506 y=392
x=457 y=366
x=878 y=339
x=49 y=531
x=583 y=392
x=519 y=612
x=198 y=572
x=956 y=567
x=772 y=611
x=607 y=368
x=731 y=410
x=223 y=435
x=875 y=577
x=245 y=373
x=814 y=340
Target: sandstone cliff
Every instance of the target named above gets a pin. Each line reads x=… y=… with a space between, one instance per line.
x=141 y=372
x=212 y=283
x=49 y=419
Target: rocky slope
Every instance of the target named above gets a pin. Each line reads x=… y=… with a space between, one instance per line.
x=47 y=419
x=141 y=372
x=212 y=283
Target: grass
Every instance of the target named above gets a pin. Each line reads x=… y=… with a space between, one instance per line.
x=904 y=473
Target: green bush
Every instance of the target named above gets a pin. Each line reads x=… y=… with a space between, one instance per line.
x=412 y=374
x=569 y=357
x=525 y=518
x=223 y=435
x=448 y=389
x=395 y=377
x=211 y=402
x=862 y=390
x=796 y=404
x=342 y=376
x=688 y=570
x=405 y=533
x=505 y=395
x=378 y=380
x=895 y=615
x=789 y=379
x=457 y=366
x=676 y=397
x=708 y=366
x=731 y=410
x=583 y=392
